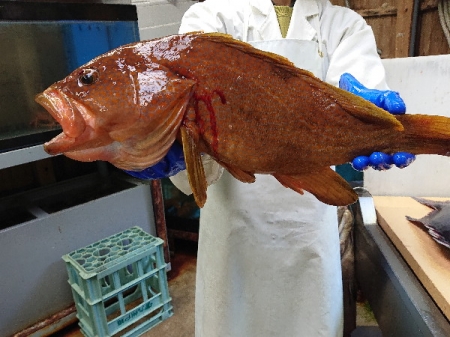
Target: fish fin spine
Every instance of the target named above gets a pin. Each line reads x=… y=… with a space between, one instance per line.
x=245 y=177
x=326 y=185
x=194 y=167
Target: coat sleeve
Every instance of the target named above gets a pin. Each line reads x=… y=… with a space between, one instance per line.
x=213 y=172
x=351 y=48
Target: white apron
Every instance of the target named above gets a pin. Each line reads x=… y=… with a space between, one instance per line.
x=268 y=259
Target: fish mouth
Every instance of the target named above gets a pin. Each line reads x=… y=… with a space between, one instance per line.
x=66 y=114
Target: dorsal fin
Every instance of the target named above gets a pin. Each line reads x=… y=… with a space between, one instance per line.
x=250 y=50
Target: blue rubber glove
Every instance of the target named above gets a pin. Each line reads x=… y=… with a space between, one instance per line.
x=171 y=164
x=389 y=101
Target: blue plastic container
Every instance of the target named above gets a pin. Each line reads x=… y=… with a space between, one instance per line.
x=119 y=284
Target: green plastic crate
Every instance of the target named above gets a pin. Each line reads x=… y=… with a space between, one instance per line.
x=119 y=284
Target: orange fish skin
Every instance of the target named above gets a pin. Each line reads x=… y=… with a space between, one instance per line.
x=129 y=116
x=262 y=115
x=254 y=112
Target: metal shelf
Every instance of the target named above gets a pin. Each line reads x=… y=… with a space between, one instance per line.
x=22 y=156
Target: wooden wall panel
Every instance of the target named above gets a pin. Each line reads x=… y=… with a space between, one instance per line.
x=338 y=2
x=431 y=39
x=392 y=22
x=403 y=27
x=383 y=27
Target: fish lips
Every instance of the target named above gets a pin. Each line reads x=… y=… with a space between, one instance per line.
x=67 y=115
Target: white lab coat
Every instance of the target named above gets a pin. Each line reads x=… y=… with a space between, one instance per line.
x=268 y=258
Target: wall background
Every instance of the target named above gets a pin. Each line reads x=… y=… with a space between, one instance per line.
x=402 y=27
x=158 y=18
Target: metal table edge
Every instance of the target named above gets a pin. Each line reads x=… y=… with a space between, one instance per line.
x=400 y=303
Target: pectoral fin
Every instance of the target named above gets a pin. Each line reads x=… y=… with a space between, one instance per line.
x=194 y=167
x=326 y=185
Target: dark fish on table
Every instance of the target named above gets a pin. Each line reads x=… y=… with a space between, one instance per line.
x=252 y=111
x=437 y=221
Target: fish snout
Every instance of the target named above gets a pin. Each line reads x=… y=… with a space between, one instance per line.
x=63 y=111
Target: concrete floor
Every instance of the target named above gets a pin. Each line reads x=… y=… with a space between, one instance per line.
x=182 y=290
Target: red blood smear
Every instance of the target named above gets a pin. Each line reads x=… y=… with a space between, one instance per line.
x=207 y=99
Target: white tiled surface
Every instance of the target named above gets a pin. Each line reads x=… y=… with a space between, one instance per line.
x=158 y=18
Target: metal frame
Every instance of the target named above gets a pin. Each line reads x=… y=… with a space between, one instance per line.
x=33 y=281
x=22 y=156
x=400 y=303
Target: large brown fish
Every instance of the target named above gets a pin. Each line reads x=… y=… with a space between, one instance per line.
x=254 y=112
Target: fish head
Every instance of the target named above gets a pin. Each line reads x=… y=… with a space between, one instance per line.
x=120 y=107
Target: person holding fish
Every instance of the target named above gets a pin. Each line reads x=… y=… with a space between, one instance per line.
x=268 y=258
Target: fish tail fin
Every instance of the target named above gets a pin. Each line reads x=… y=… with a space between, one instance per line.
x=424 y=134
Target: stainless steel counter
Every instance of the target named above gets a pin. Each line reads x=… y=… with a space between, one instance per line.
x=401 y=305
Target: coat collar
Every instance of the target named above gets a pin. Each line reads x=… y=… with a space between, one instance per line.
x=308 y=7
x=265 y=21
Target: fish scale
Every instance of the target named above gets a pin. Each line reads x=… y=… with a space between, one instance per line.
x=252 y=111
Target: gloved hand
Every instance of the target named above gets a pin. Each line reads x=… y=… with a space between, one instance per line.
x=389 y=101
x=171 y=164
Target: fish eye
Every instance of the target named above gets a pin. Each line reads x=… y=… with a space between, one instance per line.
x=87 y=77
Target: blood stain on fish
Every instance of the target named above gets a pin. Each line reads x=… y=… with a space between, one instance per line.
x=207 y=99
